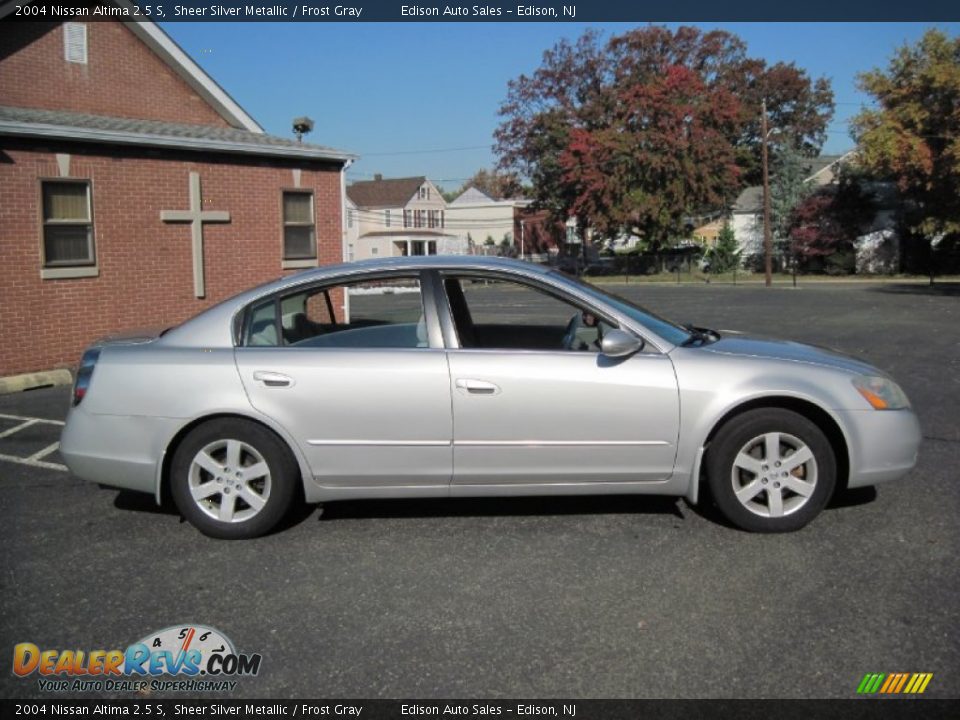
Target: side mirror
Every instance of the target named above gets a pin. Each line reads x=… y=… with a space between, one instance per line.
x=617 y=344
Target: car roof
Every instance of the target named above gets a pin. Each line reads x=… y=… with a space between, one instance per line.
x=213 y=325
x=420 y=262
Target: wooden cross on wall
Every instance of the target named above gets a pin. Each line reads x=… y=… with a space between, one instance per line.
x=196 y=216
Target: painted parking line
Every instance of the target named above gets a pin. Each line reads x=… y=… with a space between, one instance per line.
x=37 y=458
x=32 y=419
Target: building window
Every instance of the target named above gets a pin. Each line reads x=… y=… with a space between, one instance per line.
x=442 y=220
x=406 y=218
x=67 y=225
x=386 y=218
x=349 y=218
x=75 y=42
x=299 y=237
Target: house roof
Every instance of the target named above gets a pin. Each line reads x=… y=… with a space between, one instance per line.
x=472 y=196
x=750 y=200
x=63 y=125
x=819 y=165
x=180 y=63
x=815 y=166
x=394 y=192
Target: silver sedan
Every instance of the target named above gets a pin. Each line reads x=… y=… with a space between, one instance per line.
x=468 y=377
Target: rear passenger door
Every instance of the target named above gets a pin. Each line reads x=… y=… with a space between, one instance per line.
x=356 y=373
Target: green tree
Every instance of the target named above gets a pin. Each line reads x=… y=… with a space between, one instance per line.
x=914 y=134
x=787 y=189
x=724 y=256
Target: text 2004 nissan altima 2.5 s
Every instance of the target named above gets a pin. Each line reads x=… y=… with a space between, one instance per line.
x=467 y=377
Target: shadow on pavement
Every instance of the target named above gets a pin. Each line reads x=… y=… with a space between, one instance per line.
x=490 y=507
x=708 y=510
x=505 y=507
x=141 y=502
x=946 y=289
x=145 y=503
x=852 y=497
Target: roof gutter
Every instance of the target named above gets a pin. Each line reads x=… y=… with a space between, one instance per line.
x=114 y=137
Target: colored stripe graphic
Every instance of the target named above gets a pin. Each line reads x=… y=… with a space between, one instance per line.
x=870 y=683
x=894 y=683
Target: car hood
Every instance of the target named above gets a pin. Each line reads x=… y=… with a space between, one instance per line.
x=787 y=350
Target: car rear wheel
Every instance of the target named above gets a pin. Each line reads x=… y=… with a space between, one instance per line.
x=771 y=470
x=233 y=479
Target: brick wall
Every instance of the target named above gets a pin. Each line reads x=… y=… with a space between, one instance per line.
x=122 y=77
x=146 y=271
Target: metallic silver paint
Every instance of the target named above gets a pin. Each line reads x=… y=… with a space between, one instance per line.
x=366 y=423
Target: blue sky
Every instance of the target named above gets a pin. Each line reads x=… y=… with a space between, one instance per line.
x=422 y=98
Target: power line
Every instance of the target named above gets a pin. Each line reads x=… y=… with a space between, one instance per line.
x=489 y=146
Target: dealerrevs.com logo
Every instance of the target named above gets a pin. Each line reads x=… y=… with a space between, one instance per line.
x=200 y=658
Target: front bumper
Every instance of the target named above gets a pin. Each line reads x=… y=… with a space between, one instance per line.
x=883 y=444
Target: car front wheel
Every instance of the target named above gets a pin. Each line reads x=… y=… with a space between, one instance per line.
x=233 y=479
x=771 y=470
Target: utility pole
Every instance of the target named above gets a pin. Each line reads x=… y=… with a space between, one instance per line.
x=767 y=239
x=521 y=239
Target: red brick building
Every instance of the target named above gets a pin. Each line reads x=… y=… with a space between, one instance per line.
x=134 y=191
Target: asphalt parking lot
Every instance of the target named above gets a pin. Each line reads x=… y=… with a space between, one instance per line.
x=575 y=597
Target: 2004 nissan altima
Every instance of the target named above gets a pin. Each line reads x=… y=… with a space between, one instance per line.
x=447 y=376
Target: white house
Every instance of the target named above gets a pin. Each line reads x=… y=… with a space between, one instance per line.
x=397 y=216
x=747 y=211
x=476 y=219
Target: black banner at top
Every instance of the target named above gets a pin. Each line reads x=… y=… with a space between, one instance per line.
x=489 y=11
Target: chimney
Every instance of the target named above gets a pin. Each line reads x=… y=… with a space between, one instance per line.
x=377 y=177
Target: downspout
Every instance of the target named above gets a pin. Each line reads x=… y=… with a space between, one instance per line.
x=343 y=231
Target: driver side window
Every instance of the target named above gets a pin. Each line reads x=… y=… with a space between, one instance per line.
x=496 y=314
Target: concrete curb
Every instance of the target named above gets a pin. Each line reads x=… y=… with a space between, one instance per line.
x=30 y=381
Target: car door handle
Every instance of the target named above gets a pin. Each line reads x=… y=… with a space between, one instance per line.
x=273 y=379
x=477 y=387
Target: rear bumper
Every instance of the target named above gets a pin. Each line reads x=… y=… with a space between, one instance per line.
x=883 y=444
x=116 y=450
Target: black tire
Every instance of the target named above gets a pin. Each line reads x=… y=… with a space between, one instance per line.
x=814 y=481
x=253 y=440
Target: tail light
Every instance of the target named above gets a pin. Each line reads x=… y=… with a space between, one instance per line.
x=84 y=373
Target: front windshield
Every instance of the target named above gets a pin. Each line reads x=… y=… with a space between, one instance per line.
x=669 y=331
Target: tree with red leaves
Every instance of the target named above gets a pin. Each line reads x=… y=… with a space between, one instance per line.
x=638 y=133
x=827 y=223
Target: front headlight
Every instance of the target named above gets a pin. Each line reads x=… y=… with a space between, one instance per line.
x=882 y=393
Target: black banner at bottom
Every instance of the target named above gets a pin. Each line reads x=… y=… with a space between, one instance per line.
x=854 y=709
